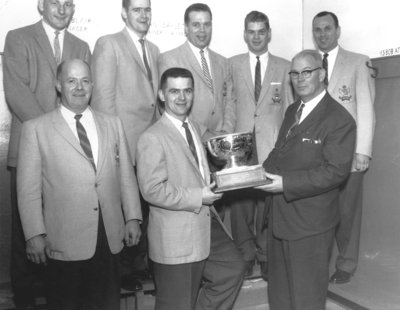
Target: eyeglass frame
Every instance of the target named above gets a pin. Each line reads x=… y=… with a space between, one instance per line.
x=305 y=73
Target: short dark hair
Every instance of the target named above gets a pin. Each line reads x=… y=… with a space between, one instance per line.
x=175 y=73
x=126 y=3
x=254 y=17
x=326 y=13
x=196 y=7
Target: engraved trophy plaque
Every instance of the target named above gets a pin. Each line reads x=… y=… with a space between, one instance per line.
x=235 y=150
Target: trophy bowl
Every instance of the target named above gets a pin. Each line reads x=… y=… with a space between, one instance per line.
x=233 y=149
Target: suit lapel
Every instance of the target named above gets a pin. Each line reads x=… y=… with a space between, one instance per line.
x=153 y=66
x=45 y=45
x=102 y=137
x=311 y=118
x=130 y=46
x=246 y=71
x=62 y=128
x=339 y=66
x=267 y=77
x=176 y=136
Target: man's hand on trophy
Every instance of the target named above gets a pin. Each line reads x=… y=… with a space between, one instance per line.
x=276 y=186
x=209 y=196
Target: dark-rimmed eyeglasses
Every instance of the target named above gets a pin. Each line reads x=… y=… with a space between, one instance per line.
x=305 y=74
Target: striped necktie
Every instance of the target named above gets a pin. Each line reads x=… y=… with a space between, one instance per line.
x=325 y=66
x=57 y=48
x=206 y=71
x=84 y=140
x=190 y=141
x=297 y=118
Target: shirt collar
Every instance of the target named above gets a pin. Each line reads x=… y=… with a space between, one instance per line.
x=197 y=50
x=175 y=121
x=50 y=31
x=263 y=57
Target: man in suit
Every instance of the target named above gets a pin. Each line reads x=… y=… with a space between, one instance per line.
x=350 y=83
x=78 y=197
x=311 y=159
x=126 y=84
x=187 y=239
x=30 y=59
x=262 y=90
x=212 y=109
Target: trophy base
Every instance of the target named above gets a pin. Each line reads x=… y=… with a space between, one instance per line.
x=239 y=177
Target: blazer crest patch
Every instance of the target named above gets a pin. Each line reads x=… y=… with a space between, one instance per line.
x=345 y=93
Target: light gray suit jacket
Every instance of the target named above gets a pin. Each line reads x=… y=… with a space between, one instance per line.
x=121 y=85
x=29 y=75
x=171 y=181
x=59 y=192
x=213 y=111
x=353 y=87
x=267 y=113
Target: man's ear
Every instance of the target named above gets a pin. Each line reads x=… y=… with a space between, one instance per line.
x=161 y=95
x=58 y=86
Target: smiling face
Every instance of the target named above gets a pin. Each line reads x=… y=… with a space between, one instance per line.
x=75 y=85
x=257 y=37
x=198 y=29
x=326 y=34
x=57 y=13
x=137 y=16
x=177 y=94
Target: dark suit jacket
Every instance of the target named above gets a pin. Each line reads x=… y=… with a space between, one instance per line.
x=313 y=161
x=29 y=75
x=59 y=192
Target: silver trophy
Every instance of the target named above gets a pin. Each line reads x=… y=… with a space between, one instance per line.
x=234 y=151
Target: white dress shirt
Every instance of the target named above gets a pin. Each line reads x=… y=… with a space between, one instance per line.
x=87 y=120
x=263 y=65
x=332 y=55
x=196 y=52
x=178 y=124
x=310 y=105
x=50 y=32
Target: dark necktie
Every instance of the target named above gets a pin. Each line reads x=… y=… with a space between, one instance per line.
x=190 y=141
x=83 y=139
x=57 y=48
x=325 y=66
x=146 y=62
x=257 y=79
x=297 y=118
x=206 y=71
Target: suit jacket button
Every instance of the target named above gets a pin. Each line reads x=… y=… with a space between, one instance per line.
x=95 y=209
x=96 y=185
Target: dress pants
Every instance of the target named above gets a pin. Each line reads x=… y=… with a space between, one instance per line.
x=209 y=284
x=298 y=271
x=247 y=223
x=348 y=231
x=24 y=274
x=92 y=284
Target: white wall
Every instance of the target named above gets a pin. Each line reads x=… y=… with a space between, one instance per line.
x=367 y=26
x=95 y=18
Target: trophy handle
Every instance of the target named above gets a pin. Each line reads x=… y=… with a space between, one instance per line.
x=211 y=149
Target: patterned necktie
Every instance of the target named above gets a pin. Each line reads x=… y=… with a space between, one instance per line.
x=57 y=48
x=146 y=63
x=325 y=66
x=257 y=79
x=84 y=141
x=297 y=118
x=206 y=71
x=190 y=141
